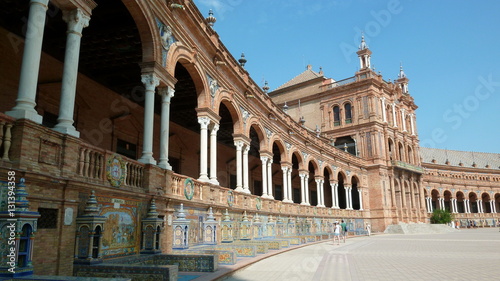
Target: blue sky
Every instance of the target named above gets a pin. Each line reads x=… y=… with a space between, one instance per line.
x=449 y=51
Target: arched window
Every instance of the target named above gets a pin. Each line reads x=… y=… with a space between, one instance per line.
x=348 y=113
x=336 y=116
x=24 y=246
x=96 y=243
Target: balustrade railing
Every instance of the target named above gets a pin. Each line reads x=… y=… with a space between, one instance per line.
x=92 y=164
x=6 y=124
x=339 y=83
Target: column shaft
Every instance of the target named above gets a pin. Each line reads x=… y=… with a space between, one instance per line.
x=270 y=178
x=204 y=122
x=285 y=185
x=302 y=189
x=213 y=154
x=76 y=20
x=239 y=168
x=263 y=160
x=28 y=81
x=150 y=82
x=246 y=188
x=166 y=95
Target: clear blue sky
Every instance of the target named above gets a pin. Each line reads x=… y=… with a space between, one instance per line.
x=450 y=51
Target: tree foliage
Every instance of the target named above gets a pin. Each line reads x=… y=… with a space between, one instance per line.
x=441 y=217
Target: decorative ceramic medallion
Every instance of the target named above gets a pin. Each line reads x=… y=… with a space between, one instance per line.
x=115 y=171
x=258 y=203
x=188 y=188
x=230 y=198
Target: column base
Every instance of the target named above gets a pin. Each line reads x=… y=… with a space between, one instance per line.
x=247 y=191
x=164 y=165
x=321 y=206
x=214 y=181
x=303 y=203
x=270 y=197
x=26 y=114
x=146 y=159
x=67 y=130
x=265 y=196
x=239 y=189
x=204 y=178
x=287 y=201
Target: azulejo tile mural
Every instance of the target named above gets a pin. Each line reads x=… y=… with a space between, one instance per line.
x=121 y=234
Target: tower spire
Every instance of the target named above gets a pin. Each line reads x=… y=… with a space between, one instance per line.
x=402 y=80
x=364 y=54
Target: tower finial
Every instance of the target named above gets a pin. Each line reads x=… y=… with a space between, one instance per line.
x=401 y=72
x=363 y=44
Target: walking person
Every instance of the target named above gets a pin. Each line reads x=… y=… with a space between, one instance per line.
x=368 y=229
x=336 y=232
x=343 y=225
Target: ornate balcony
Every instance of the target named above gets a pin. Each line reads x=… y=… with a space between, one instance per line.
x=407 y=166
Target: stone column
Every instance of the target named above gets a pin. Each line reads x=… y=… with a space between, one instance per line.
x=246 y=188
x=480 y=206
x=322 y=188
x=360 y=192
x=290 y=193
x=384 y=114
x=347 y=197
x=77 y=20
x=270 y=178
x=213 y=154
x=403 y=119
x=28 y=81
x=204 y=122
x=302 y=188
x=412 y=116
x=166 y=94
x=285 y=185
x=263 y=160
x=239 y=183
x=150 y=82
x=427 y=207
x=335 y=195
x=394 y=119
x=306 y=182
x=318 y=192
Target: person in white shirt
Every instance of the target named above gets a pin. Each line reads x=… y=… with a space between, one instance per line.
x=336 y=232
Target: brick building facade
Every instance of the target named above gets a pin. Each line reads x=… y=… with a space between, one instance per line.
x=106 y=106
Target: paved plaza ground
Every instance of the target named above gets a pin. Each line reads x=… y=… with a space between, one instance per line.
x=468 y=254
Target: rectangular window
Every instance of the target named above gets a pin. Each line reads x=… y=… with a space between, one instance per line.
x=48 y=218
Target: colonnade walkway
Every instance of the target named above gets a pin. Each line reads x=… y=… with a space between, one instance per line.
x=467 y=254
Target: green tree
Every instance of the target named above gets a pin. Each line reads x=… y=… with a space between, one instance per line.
x=441 y=217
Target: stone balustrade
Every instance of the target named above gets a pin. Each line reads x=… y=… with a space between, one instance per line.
x=6 y=123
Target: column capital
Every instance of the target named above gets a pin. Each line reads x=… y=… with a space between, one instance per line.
x=77 y=20
x=166 y=92
x=204 y=122
x=215 y=128
x=150 y=81
x=284 y=168
x=246 y=149
x=239 y=144
x=263 y=159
